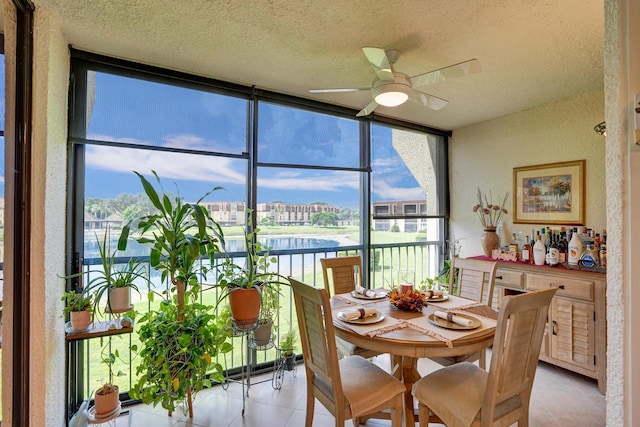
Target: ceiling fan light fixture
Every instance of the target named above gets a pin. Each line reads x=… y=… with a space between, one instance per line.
x=391 y=93
x=391 y=98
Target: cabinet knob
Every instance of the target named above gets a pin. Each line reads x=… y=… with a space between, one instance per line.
x=498 y=277
x=554 y=330
x=551 y=285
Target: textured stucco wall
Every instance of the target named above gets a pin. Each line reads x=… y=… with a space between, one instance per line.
x=484 y=155
x=622 y=82
x=49 y=176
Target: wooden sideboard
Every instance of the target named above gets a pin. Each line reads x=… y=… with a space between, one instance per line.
x=576 y=332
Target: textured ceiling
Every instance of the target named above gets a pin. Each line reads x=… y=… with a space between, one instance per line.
x=531 y=52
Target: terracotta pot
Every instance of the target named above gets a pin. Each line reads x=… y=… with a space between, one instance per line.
x=245 y=306
x=262 y=334
x=119 y=300
x=489 y=240
x=80 y=320
x=106 y=400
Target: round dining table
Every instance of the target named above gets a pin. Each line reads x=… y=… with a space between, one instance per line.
x=406 y=344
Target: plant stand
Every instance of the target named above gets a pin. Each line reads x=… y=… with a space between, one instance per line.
x=74 y=395
x=248 y=345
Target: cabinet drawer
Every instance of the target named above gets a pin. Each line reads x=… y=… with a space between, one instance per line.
x=509 y=278
x=582 y=289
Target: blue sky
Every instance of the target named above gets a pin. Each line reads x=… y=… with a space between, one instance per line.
x=147 y=113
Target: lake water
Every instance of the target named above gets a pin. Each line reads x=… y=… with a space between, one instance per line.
x=136 y=249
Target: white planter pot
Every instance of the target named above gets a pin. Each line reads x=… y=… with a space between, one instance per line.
x=119 y=300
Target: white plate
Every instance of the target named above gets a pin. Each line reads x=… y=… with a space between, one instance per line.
x=444 y=323
x=438 y=299
x=91 y=414
x=378 y=317
x=379 y=295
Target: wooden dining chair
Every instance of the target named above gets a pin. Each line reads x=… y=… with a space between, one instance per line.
x=466 y=395
x=350 y=387
x=341 y=274
x=472 y=279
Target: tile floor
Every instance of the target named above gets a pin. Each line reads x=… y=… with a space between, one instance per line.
x=560 y=399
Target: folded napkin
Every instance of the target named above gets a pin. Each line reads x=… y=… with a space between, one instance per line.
x=366 y=292
x=356 y=313
x=433 y=294
x=452 y=317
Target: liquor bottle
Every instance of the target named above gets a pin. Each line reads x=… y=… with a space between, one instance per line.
x=562 y=247
x=603 y=255
x=553 y=255
x=575 y=248
x=589 y=257
x=513 y=246
x=527 y=252
x=538 y=251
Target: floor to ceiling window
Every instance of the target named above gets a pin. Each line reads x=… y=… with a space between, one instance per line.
x=318 y=180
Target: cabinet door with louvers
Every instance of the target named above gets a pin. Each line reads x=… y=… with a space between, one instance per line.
x=572 y=332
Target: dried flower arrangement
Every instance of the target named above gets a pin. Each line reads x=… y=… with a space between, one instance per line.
x=488 y=212
x=408 y=301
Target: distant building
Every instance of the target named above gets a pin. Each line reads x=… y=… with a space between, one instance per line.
x=292 y=214
x=232 y=213
x=226 y=213
x=399 y=208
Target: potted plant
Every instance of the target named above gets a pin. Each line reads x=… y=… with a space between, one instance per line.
x=114 y=280
x=176 y=356
x=178 y=233
x=269 y=306
x=79 y=308
x=180 y=339
x=107 y=396
x=287 y=349
x=245 y=285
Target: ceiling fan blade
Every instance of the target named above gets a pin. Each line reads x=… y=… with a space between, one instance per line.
x=427 y=100
x=368 y=109
x=378 y=59
x=451 y=72
x=338 y=90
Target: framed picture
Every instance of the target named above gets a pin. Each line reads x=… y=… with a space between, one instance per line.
x=549 y=194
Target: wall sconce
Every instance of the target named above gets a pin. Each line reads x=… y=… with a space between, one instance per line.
x=601 y=129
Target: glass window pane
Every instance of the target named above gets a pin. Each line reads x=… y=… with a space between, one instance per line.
x=405 y=169
x=298 y=137
x=114 y=194
x=320 y=208
x=141 y=112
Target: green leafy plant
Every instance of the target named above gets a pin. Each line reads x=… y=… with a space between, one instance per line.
x=288 y=343
x=175 y=357
x=178 y=233
x=112 y=275
x=77 y=301
x=255 y=273
x=181 y=339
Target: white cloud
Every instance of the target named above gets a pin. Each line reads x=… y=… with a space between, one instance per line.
x=386 y=192
x=170 y=165
x=329 y=181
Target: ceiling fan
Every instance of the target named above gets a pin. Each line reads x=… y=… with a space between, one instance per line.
x=391 y=88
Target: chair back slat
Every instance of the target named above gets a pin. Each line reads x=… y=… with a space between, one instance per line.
x=341 y=274
x=317 y=335
x=516 y=347
x=473 y=279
